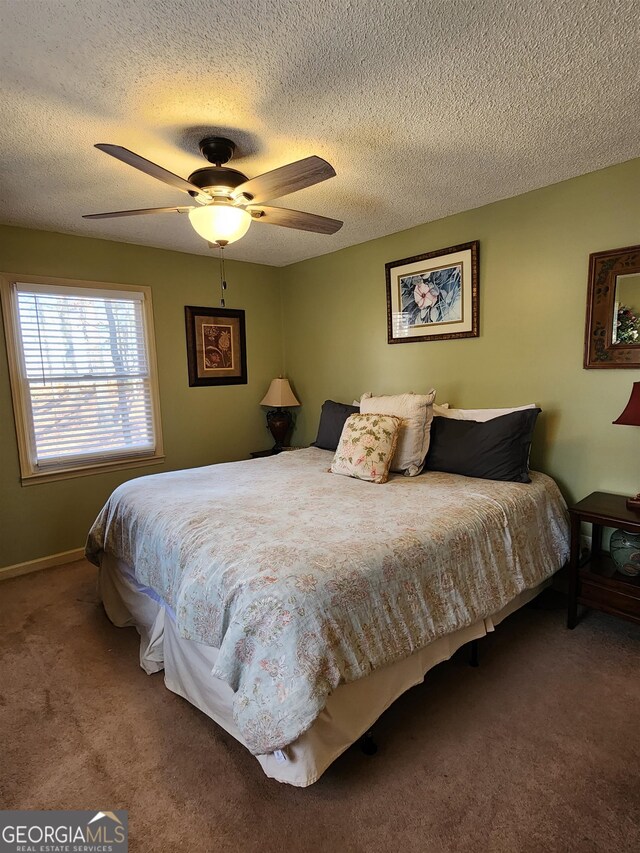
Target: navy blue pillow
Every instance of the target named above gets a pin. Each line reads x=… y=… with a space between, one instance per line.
x=332 y=418
x=493 y=450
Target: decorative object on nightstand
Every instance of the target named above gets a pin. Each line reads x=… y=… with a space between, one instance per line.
x=625 y=552
x=631 y=417
x=279 y=419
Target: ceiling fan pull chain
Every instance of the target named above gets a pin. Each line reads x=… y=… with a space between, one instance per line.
x=223 y=283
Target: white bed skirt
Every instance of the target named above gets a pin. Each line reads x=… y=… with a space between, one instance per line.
x=350 y=711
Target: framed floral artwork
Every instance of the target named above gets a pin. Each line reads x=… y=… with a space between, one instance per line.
x=216 y=346
x=434 y=296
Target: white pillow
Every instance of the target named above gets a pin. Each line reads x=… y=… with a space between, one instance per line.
x=416 y=411
x=476 y=414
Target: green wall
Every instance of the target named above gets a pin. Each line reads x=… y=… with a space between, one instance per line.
x=200 y=425
x=534 y=252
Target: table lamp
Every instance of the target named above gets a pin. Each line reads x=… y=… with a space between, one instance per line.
x=279 y=420
x=631 y=417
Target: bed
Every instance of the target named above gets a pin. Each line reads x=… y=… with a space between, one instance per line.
x=293 y=606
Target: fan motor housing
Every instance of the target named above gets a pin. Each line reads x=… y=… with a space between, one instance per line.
x=217 y=177
x=217 y=149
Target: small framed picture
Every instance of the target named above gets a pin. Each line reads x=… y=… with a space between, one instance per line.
x=216 y=346
x=435 y=296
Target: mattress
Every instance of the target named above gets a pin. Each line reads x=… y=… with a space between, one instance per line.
x=304 y=580
x=350 y=711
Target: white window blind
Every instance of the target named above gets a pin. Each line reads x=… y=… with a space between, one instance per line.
x=86 y=374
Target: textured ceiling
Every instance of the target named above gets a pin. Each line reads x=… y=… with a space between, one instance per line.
x=423 y=108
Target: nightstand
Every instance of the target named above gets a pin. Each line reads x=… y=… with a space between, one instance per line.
x=597 y=583
x=259 y=454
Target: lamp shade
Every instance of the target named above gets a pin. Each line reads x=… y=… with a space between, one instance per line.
x=220 y=222
x=279 y=394
x=631 y=414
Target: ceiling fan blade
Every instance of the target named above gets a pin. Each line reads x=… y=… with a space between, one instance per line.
x=296 y=219
x=149 y=168
x=143 y=211
x=287 y=179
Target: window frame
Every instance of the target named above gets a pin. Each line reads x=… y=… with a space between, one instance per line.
x=21 y=398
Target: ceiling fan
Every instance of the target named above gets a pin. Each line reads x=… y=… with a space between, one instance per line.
x=226 y=200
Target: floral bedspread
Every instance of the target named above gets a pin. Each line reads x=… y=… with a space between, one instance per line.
x=305 y=579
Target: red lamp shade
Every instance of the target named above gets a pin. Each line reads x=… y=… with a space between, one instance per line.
x=631 y=414
x=631 y=417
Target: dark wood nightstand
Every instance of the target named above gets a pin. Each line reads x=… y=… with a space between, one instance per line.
x=259 y=454
x=597 y=583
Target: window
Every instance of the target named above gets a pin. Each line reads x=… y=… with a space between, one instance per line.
x=82 y=366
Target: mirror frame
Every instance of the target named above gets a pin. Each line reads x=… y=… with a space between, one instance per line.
x=599 y=349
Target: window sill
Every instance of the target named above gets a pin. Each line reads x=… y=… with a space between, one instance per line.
x=87 y=470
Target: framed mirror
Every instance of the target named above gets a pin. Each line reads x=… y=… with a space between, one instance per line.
x=612 y=336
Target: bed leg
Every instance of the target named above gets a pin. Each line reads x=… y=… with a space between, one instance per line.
x=368 y=744
x=474 y=659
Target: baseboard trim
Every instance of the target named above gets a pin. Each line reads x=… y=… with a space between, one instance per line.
x=41 y=563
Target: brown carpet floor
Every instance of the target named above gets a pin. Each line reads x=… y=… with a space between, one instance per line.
x=537 y=750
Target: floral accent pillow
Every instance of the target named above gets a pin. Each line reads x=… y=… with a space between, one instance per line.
x=366 y=447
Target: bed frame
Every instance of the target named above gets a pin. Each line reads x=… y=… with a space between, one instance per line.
x=351 y=709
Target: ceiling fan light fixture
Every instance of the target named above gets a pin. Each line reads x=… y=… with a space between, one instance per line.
x=224 y=193
x=220 y=223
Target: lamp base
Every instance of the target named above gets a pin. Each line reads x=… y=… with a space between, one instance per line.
x=279 y=421
x=634 y=503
